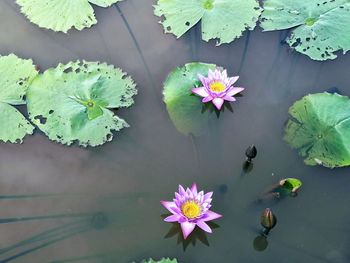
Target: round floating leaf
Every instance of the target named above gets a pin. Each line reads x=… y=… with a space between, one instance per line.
x=320 y=28
x=62 y=15
x=72 y=102
x=291 y=184
x=15 y=76
x=185 y=109
x=320 y=128
x=224 y=20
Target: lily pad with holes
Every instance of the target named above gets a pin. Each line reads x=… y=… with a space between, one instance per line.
x=224 y=20
x=62 y=15
x=74 y=102
x=320 y=28
x=15 y=76
x=319 y=128
x=184 y=108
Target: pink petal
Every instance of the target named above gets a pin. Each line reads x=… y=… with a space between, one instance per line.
x=204 y=226
x=210 y=215
x=171 y=206
x=233 y=80
x=172 y=218
x=207 y=196
x=218 y=102
x=228 y=98
x=181 y=190
x=194 y=189
x=200 y=91
x=207 y=99
x=234 y=91
x=187 y=228
x=202 y=78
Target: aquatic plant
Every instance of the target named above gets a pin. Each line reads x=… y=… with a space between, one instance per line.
x=268 y=220
x=291 y=184
x=73 y=102
x=62 y=15
x=217 y=88
x=185 y=110
x=224 y=20
x=15 y=76
x=190 y=208
x=319 y=128
x=319 y=28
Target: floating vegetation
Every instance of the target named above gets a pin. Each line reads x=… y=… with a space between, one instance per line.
x=73 y=102
x=217 y=88
x=319 y=128
x=319 y=28
x=223 y=20
x=185 y=109
x=190 y=208
x=15 y=76
x=62 y=15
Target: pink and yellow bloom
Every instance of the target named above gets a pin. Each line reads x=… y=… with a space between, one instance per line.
x=190 y=208
x=217 y=88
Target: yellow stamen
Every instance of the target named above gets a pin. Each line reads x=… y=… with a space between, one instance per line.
x=217 y=86
x=191 y=209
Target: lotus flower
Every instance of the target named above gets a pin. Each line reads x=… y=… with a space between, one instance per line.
x=217 y=87
x=190 y=208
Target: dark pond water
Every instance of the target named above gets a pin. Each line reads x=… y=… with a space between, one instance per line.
x=68 y=204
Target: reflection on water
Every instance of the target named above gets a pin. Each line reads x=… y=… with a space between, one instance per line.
x=103 y=203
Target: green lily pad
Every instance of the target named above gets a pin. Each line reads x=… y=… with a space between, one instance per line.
x=320 y=28
x=15 y=76
x=291 y=184
x=224 y=20
x=319 y=128
x=185 y=109
x=163 y=260
x=73 y=102
x=62 y=15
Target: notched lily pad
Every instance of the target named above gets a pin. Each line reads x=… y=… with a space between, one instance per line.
x=15 y=76
x=73 y=102
x=62 y=15
x=320 y=27
x=184 y=108
x=319 y=128
x=224 y=20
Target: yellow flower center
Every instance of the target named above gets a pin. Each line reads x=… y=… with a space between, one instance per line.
x=217 y=86
x=191 y=209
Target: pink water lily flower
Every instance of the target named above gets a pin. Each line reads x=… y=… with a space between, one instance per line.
x=217 y=88
x=190 y=208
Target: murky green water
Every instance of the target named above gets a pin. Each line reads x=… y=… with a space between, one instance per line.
x=67 y=204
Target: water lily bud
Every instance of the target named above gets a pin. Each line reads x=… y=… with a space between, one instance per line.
x=268 y=219
x=251 y=152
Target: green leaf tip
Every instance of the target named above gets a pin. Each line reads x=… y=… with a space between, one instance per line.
x=16 y=74
x=319 y=128
x=62 y=15
x=319 y=28
x=73 y=102
x=224 y=20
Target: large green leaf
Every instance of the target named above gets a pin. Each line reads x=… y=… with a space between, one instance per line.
x=224 y=20
x=15 y=76
x=320 y=28
x=184 y=108
x=71 y=102
x=62 y=15
x=320 y=128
